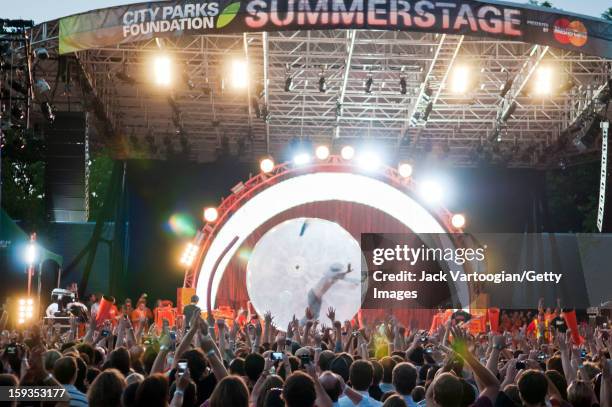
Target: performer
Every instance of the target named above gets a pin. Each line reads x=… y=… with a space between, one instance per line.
x=315 y=294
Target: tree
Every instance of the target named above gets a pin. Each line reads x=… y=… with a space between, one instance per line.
x=607 y=15
x=23 y=173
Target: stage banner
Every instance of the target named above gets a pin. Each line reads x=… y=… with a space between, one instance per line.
x=113 y=26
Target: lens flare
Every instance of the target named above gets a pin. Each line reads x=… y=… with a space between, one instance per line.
x=182 y=225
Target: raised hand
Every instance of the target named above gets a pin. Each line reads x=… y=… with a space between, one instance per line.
x=268 y=318
x=308 y=313
x=331 y=314
x=183 y=381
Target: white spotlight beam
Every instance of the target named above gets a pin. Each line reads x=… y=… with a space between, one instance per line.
x=248 y=82
x=351 y=36
x=264 y=38
x=448 y=70
x=521 y=79
x=420 y=102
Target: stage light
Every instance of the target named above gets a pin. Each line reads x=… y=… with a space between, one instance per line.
x=322 y=84
x=25 y=310
x=431 y=191
x=322 y=152
x=31 y=253
x=460 y=79
x=368 y=84
x=288 y=83
x=210 y=214
x=369 y=160
x=403 y=86
x=266 y=165
x=240 y=77
x=458 y=221
x=189 y=254
x=47 y=111
x=347 y=152
x=543 y=81
x=405 y=170
x=162 y=69
x=301 y=159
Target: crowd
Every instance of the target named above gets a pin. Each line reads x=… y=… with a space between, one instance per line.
x=249 y=362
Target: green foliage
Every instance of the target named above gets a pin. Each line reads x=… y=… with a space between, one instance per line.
x=607 y=15
x=23 y=173
x=573 y=197
x=540 y=3
x=100 y=171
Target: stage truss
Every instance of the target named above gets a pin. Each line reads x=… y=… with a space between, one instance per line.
x=203 y=122
x=244 y=192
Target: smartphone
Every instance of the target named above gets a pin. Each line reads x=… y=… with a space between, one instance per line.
x=520 y=366
x=173 y=335
x=583 y=353
x=181 y=367
x=276 y=356
x=105 y=332
x=429 y=350
x=542 y=356
x=424 y=338
x=355 y=333
x=305 y=359
x=11 y=349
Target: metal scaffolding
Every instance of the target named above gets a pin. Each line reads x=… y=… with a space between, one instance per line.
x=457 y=128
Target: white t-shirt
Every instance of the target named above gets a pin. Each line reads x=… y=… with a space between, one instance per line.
x=52 y=309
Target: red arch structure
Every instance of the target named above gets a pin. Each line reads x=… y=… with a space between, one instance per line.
x=260 y=182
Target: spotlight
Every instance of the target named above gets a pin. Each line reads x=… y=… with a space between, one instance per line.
x=322 y=84
x=543 y=81
x=210 y=214
x=266 y=165
x=25 y=312
x=506 y=87
x=431 y=191
x=162 y=69
x=41 y=53
x=405 y=170
x=288 y=83
x=368 y=84
x=47 y=111
x=31 y=253
x=458 y=221
x=403 y=86
x=322 y=152
x=42 y=86
x=240 y=77
x=189 y=255
x=347 y=152
x=301 y=159
x=427 y=111
x=369 y=161
x=460 y=79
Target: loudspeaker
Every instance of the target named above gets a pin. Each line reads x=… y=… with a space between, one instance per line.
x=65 y=168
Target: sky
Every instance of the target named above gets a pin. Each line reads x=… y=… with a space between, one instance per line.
x=45 y=10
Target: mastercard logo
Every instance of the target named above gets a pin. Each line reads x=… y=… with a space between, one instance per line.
x=570 y=32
